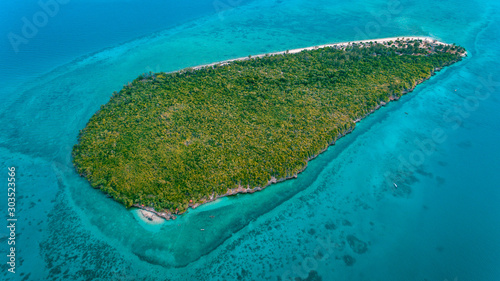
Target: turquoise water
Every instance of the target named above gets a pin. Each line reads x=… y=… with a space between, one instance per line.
x=341 y=219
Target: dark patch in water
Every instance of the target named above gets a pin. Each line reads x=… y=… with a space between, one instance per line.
x=346 y=223
x=319 y=255
x=358 y=246
x=26 y=277
x=242 y=275
x=442 y=163
x=440 y=180
x=403 y=190
x=67 y=244
x=465 y=144
x=424 y=173
x=330 y=226
x=349 y=261
x=313 y=276
x=411 y=179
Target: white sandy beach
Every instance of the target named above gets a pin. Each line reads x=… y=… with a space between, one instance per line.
x=341 y=44
x=149 y=217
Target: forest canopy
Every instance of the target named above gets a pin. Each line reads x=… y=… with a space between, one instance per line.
x=171 y=140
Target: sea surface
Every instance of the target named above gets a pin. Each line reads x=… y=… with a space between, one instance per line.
x=343 y=218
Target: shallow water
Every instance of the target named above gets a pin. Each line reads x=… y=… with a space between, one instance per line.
x=341 y=219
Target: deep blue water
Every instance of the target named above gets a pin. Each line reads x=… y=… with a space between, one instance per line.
x=342 y=219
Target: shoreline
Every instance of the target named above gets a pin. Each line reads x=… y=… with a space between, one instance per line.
x=241 y=189
x=149 y=217
x=341 y=44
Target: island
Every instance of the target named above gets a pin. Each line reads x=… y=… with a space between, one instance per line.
x=170 y=141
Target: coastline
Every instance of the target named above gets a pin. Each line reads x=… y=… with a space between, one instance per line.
x=244 y=190
x=340 y=44
x=149 y=217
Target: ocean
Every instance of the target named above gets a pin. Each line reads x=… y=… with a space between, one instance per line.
x=343 y=218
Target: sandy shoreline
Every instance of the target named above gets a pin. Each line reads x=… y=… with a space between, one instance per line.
x=340 y=44
x=149 y=217
x=152 y=216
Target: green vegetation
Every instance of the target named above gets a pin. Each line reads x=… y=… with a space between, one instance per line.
x=169 y=141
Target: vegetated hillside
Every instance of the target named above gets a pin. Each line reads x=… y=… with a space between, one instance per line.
x=169 y=141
